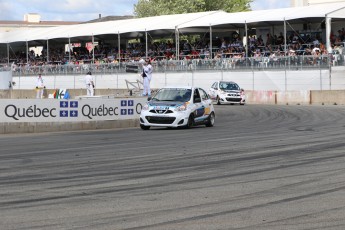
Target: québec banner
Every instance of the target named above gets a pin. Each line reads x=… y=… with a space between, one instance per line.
x=52 y=110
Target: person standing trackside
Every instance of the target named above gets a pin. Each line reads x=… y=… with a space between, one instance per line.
x=147 y=75
x=39 y=87
x=89 y=84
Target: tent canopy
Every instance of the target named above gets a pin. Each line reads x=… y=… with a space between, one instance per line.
x=169 y=23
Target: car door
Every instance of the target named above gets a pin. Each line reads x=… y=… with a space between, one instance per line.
x=199 y=107
x=206 y=102
x=213 y=91
x=203 y=105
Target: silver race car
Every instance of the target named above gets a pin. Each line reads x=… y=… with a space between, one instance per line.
x=178 y=107
x=227 y=92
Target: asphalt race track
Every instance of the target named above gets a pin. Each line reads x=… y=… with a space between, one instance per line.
x=261 y=167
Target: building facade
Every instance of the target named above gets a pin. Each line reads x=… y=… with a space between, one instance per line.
x=31 y=20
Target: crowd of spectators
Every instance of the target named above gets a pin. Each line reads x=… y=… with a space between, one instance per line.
x=271 y=47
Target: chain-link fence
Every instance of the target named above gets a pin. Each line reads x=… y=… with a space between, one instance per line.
x=300 y=62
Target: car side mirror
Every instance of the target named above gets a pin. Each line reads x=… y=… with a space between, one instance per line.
x=149 y=98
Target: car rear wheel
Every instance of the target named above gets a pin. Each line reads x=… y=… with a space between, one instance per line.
x=144 y=127
x=210 y=120
x=190 y=122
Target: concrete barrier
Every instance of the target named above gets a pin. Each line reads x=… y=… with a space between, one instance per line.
x=303 y=97
x=31 y=93
x=327 y=97
x=35 y=127
x=81 y=113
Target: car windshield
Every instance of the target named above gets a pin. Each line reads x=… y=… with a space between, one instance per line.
x=228 y=86
x=173 y=94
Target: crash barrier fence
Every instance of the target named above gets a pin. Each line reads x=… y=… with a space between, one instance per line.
x=83 y=113
x=50 y=115
x=299 y=62
x=310 y=79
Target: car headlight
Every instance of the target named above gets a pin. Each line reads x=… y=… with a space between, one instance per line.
x=181 y=107
x=145 y=107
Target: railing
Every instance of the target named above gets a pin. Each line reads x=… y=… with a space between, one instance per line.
x=134 y=86
x=299 y=62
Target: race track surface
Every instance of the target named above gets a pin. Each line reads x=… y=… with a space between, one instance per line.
x=260 y=167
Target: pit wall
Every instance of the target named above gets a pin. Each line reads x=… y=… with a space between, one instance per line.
x=115 y=98
x=31 y=93
x=80 y=113
x=301 y=97
x=312 y=97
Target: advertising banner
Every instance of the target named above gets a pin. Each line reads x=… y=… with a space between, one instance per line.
x=53 y=110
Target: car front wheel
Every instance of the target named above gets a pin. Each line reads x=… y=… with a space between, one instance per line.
x=144 y=127
x=190 y=122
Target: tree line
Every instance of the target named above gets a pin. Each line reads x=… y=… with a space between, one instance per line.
x=147 y=8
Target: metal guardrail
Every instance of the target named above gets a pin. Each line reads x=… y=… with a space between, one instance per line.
x=299 y=62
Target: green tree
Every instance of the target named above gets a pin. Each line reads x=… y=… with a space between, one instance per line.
x=146 y=8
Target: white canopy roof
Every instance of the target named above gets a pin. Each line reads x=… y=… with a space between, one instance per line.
x=180 y=21
x=333 y=10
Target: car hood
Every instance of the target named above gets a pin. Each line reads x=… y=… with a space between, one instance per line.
x=232 y=91
x=165 y=103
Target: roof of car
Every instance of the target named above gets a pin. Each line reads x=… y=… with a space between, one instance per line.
x=229 y=82
x=178 y=87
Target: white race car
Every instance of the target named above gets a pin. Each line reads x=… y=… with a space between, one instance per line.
x=178 y=107
x=227 y=92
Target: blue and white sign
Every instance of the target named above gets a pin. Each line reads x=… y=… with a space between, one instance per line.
x=52 y=110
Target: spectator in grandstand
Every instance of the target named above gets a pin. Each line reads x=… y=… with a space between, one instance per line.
x=341 y=35
x=257 y=57
x=280 y=39
x=316 y=42
x=39 y=87
x=269 y=40
x=90 y=85
x=259 y=41
x=147 y=75
x=316 y=55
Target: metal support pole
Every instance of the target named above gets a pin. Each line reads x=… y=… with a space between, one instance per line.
x=93 y=49
x=8 y=54
x=328 y=34
x=146 y=46
x=285 y=52
x=27 y=52
x=246 y=31
x=177 y=45
x=285 y=43
x=211 y=41
x=69 y=50
x=328 y=23
x=119 y=46
x=47 y=51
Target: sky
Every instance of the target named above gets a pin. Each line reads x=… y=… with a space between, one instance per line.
x=86 y=10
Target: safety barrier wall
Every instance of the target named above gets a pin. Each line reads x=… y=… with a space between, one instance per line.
x=43 y=115
x=303 y=97
x=31 y=93
x=312 y=97
x=255 y=80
